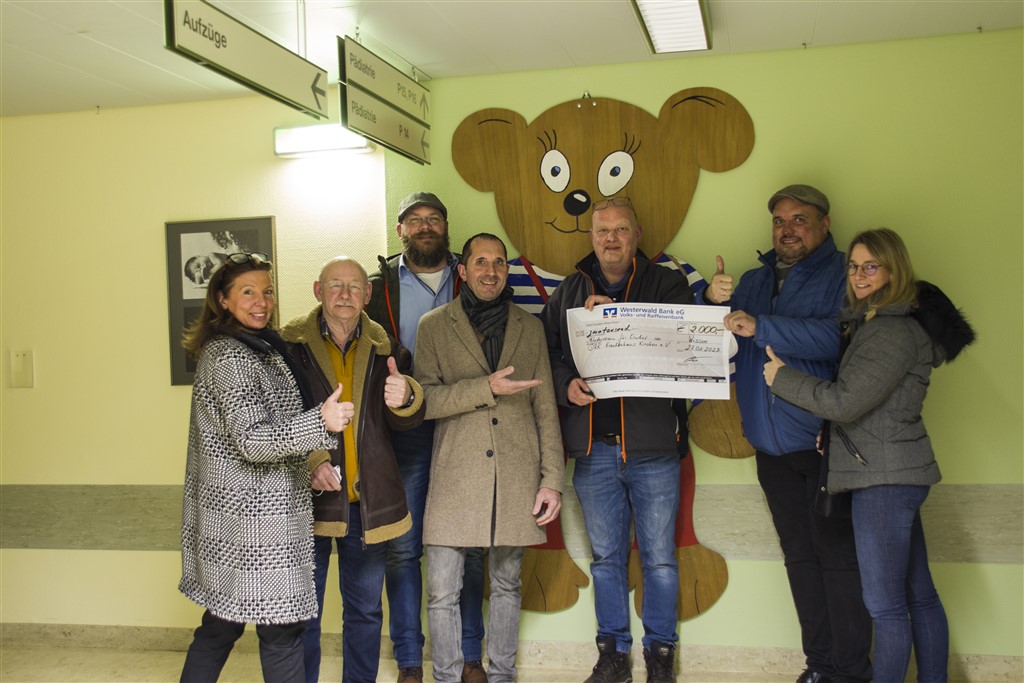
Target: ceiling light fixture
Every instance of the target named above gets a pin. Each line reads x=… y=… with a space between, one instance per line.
x=303 y=141
x=674 y=25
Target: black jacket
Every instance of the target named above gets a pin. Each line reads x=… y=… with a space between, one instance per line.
x=650 y=426
x=383 y=308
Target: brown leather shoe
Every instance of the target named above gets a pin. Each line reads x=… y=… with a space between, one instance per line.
x=413 y=674
x=473 y=672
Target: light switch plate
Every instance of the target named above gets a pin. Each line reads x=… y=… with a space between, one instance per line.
x=22 y=370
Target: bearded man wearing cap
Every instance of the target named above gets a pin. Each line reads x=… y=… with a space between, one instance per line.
x=791 y=303
x=424 y=276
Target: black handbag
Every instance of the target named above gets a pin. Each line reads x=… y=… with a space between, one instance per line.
x=835 y=505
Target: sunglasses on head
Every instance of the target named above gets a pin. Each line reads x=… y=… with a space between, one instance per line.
x=255 y=257
x=614 y=201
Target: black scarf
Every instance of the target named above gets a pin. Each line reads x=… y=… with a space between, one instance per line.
x=489 y=318
x=269 y=341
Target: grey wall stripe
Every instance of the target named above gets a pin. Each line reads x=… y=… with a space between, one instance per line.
x=963 y=523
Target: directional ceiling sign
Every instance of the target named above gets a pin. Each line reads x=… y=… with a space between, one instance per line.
x=370 y=73
x=207 y=35
x=380 y=102
x=377 y=120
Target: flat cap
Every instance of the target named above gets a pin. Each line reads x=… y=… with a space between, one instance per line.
x=805 y=194
x=418 y=198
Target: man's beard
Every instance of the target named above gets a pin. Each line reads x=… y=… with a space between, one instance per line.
x=426 y=258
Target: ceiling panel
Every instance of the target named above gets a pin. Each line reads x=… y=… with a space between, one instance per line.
x=757 y=26
x=67 y=55
x=522 y=41
x=869 y=20
x=597 y=33
x=929 y=18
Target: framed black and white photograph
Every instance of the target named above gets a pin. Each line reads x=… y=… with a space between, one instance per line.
x=194 y=250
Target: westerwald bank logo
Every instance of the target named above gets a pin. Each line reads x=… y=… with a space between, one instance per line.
x=610 y=312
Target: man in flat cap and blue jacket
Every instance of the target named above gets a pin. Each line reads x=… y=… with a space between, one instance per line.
x=792 y=302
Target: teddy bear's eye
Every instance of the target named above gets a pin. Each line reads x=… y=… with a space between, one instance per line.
x=554 y=170
x=616 y=170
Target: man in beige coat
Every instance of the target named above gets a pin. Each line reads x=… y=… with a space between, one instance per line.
x=497 y=471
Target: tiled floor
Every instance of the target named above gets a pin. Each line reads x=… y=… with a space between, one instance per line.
x=67 y=665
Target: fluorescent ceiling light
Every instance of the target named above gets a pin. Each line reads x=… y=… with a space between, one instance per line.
x=326 y=137
x=673 y=25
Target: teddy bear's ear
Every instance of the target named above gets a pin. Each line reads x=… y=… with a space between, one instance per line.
x=485 y=145
x=709 y=126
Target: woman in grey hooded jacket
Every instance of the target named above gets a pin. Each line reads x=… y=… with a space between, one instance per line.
x=897 y=329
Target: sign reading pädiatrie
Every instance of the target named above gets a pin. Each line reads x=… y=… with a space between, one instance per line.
x=204 y=34
x=370 y=73
x=655 y=350
x=368 y=116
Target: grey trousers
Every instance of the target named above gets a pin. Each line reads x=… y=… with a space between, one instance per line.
x=444 y=583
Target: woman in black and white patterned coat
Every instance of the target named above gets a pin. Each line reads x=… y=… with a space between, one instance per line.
x=247 y=523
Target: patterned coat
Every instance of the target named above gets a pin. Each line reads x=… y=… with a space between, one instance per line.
x=491 y=453
x=247 y=521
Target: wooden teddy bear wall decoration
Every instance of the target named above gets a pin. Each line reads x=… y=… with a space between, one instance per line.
x=545 y=176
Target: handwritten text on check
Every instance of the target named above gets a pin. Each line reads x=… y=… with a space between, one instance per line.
x=661 y=350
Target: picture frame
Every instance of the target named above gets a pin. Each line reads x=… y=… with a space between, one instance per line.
x=194 y=250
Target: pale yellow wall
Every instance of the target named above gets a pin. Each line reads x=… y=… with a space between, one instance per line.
x=923 y=136
x=85 y=200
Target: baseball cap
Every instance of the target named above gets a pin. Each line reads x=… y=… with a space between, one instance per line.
x=805 y=194
x=417 y=198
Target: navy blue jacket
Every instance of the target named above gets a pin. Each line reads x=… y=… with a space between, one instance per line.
x=801 y=325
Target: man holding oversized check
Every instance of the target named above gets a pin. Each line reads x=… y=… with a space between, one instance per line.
x=617 y=321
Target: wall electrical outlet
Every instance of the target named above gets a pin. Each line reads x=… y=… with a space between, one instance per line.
x=22 y=370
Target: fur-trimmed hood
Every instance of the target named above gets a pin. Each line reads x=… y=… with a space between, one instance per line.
x=945 y=323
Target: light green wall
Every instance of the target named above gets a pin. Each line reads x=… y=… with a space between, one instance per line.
x=923 y=136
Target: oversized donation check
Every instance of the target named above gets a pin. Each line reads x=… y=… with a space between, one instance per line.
x=669 y=350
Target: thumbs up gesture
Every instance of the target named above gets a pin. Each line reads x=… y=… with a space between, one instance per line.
x=772 y=366
x=396 y=387
x=337 y=414
x=720 y=289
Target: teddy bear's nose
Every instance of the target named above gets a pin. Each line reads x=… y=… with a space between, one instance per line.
x=576 y=203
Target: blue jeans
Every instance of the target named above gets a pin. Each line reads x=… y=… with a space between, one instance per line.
x=608 y=488
x=404 y=578
x=361 y=579
x=445 y=569
x=898 y=588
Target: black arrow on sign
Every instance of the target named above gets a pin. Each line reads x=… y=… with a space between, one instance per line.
x=424 y=143
x=317 y=91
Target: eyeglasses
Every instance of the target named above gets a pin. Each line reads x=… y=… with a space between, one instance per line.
x=869 y=269
x=614 y=201
x=353 y=288
x=255 y=257
x=417 y=221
